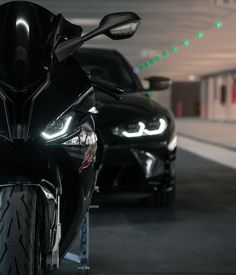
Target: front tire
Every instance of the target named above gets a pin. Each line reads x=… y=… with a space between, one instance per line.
x=18 y=231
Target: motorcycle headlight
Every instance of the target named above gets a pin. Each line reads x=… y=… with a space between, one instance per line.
x=62 y=129
x=57 y=128
x=139 y=129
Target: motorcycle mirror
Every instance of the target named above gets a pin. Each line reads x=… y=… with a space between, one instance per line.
x=159 y=83
x=120 y=25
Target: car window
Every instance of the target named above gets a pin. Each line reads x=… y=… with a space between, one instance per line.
x=108 y=66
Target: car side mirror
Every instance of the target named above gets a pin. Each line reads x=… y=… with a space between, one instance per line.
x=159 y=83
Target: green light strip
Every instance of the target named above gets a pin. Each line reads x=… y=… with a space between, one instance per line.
x=218 y=24
x=200 y=35
x=174 y=49
x=166 y=53
x=186 y=42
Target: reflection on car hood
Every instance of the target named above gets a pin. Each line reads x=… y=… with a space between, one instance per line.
x=132 y=106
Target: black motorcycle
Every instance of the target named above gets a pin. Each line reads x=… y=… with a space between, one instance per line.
x=47 y=134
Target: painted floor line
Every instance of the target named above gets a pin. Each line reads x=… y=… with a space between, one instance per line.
x=72 y=257
x=209 y=151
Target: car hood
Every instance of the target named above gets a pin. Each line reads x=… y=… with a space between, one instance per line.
x=132 y=106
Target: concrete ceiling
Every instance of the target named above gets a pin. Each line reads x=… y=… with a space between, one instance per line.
x=165 y=23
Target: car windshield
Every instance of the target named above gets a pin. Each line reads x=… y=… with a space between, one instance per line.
x=26 y=38
x=108 y=65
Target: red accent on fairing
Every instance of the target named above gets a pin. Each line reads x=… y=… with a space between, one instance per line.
x=88 y=157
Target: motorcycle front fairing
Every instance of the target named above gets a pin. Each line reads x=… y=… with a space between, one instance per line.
x=35 y=92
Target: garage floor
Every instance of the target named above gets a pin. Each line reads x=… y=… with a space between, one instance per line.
x=199 y=237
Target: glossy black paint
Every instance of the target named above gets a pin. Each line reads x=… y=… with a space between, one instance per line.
x=26 y=40
x=120 y=157
x=34 y=90
x=124 y=158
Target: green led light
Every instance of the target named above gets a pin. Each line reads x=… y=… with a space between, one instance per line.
x=200 y=35
x=150 y=62
x=150 y=94
x=165 y=53
x=141 y=67
x=218 y=24
x=174 y=49
x=186 y=42
x=157 y=58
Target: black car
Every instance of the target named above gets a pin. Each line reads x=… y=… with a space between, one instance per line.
x=138 y=133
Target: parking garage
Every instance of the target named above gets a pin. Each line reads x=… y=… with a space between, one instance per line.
x=162 y=152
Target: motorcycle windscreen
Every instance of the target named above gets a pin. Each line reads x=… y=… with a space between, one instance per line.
x=27 y=35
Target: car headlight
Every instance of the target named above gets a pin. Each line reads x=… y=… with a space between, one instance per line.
x=173 y=143
x=58 y=128
x=140 y=128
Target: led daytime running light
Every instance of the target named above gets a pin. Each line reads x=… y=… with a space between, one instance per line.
x=137 y=134
x=159 y=131
x=143 y=131
x=59 y=133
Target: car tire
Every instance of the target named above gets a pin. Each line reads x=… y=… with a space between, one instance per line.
x=166 y=199
x=167 y=193
x=160 y=199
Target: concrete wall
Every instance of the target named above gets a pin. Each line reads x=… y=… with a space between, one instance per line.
x=185 y=99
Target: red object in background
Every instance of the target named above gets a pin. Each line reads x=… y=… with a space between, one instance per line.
x=223 y=94
x=233 y=92
x=179 y=109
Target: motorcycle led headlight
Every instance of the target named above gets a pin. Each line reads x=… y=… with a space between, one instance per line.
x=57 y=128
x=140 y=129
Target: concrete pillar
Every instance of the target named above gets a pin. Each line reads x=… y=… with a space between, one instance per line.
x=203 y=99
x=210 y=98
x=233 y=105
x=212 y=106
x=228 y=99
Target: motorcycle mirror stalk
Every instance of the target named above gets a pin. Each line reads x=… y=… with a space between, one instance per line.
x=117 y=26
